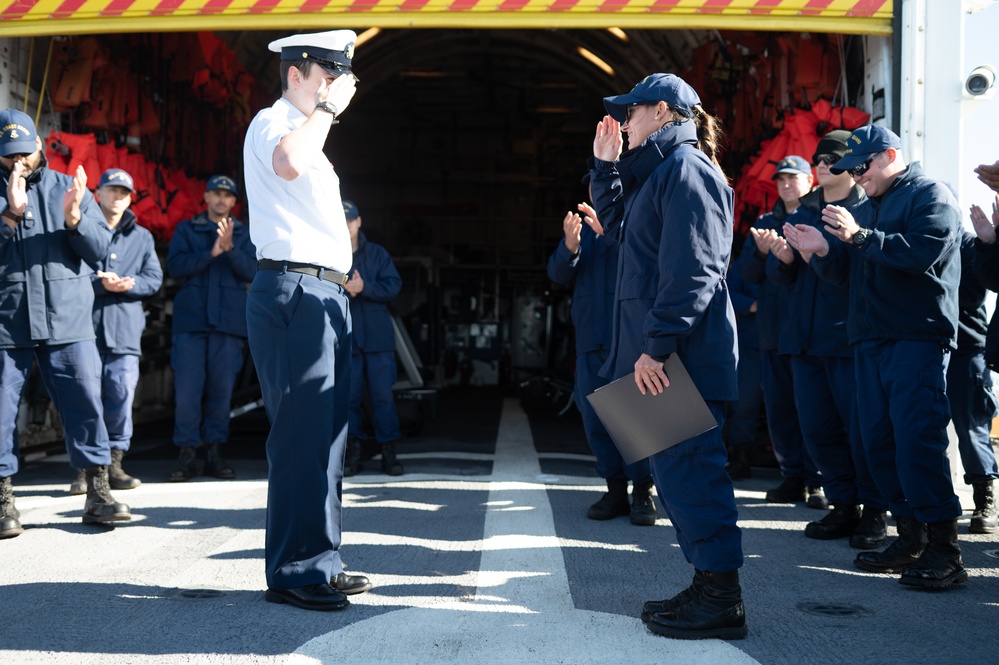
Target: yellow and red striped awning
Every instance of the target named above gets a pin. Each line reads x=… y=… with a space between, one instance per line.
x=60 y=17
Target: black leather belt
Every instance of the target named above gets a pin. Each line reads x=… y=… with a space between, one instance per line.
x=327 y=274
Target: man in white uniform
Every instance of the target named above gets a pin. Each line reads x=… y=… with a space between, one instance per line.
x=299 y=320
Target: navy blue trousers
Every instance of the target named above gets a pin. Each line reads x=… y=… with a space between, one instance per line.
x=300 y=342
x=744 y=421
x=972 y=408
x=610 y=464
x=697 y=496
x=72 y=377
x=903 y=413
x=205 y=366
x=377 y=373
x=825 y=394
x=119 y=376
x=782 y=419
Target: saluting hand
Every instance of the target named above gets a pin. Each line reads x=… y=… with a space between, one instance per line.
x=17 y=190
x=590 y=217
x=649 y=374
x=74 y=197
x=608 y=142
x=338 y=93
x=984 y=229
x=355 y=284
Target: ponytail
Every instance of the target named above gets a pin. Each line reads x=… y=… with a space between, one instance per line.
x=709 y=135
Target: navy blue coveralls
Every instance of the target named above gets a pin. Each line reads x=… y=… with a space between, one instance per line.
x=592 y=272
x=744 y=419
x=902 y=324
x=775 y=369
x=119 y=321
x=209 y=327
x=373 y=354
x=675 y=214
x=813 y=336
x=46 y=304
x=969 y=382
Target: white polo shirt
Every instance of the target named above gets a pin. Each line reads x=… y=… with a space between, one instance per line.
x=301 y=220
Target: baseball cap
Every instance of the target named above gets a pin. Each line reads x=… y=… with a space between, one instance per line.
x=792 y=164
x=223 y=182
x=117 y=177
x=668 y=88
x=864 y=142
x=350 y=210
x=17 y=133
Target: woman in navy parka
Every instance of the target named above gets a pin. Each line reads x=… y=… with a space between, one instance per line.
x=672 y=207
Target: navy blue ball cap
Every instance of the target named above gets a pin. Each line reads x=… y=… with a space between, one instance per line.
x=18 y=135
x=350 y=210
x=864 y=142
x=223 y=182
x=792 y=164
x=654 y=88
x=118 y=178
x=333 y=50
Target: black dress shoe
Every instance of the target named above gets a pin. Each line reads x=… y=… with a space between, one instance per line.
x=320 y=597
x=350 y=584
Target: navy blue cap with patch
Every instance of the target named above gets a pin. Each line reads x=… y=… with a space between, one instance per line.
x=350 y=210
x=223 y=182
x=18 y=135
x=864 y=142
x=118 y=178
x=333 y=50
x=792 y=164
x=654 y=88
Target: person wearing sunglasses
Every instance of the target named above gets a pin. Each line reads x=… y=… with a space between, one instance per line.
x=899 y=251
x=816 y=343
x=671 y=208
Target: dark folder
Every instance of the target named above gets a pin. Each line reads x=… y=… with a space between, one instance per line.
x=643 y=425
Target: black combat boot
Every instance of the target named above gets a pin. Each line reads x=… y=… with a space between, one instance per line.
x=117 y=478
x=792 y=490
x=985 y=518
x=352 y=463
x=871 y=531
x=815 y=497
x=79 y=485
x=613 y=503
x=10 y=517
x=643 y=507
x=100 y=505
x=215 y=466
x=390 y=463
x=903 y=552
x=738 y=467
x=838 y=523
x=716 y=612
x=690 y=593
x=187 y=465
x=940 y=565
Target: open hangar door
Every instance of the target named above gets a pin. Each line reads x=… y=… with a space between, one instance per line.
x=466 y=144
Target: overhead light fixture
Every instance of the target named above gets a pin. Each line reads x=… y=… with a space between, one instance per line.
x=367 y=35
x=600 y=64
x=619 y=33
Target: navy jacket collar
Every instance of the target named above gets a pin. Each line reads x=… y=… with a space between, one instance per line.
x=641 y=161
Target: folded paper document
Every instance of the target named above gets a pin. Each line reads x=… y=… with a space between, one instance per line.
x=643 y=425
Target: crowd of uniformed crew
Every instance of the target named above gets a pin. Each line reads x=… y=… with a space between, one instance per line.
x=854 y=288
x=51 y=296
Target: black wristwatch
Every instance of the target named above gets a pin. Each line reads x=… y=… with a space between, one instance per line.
x=860 y=237
x=329 y=108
